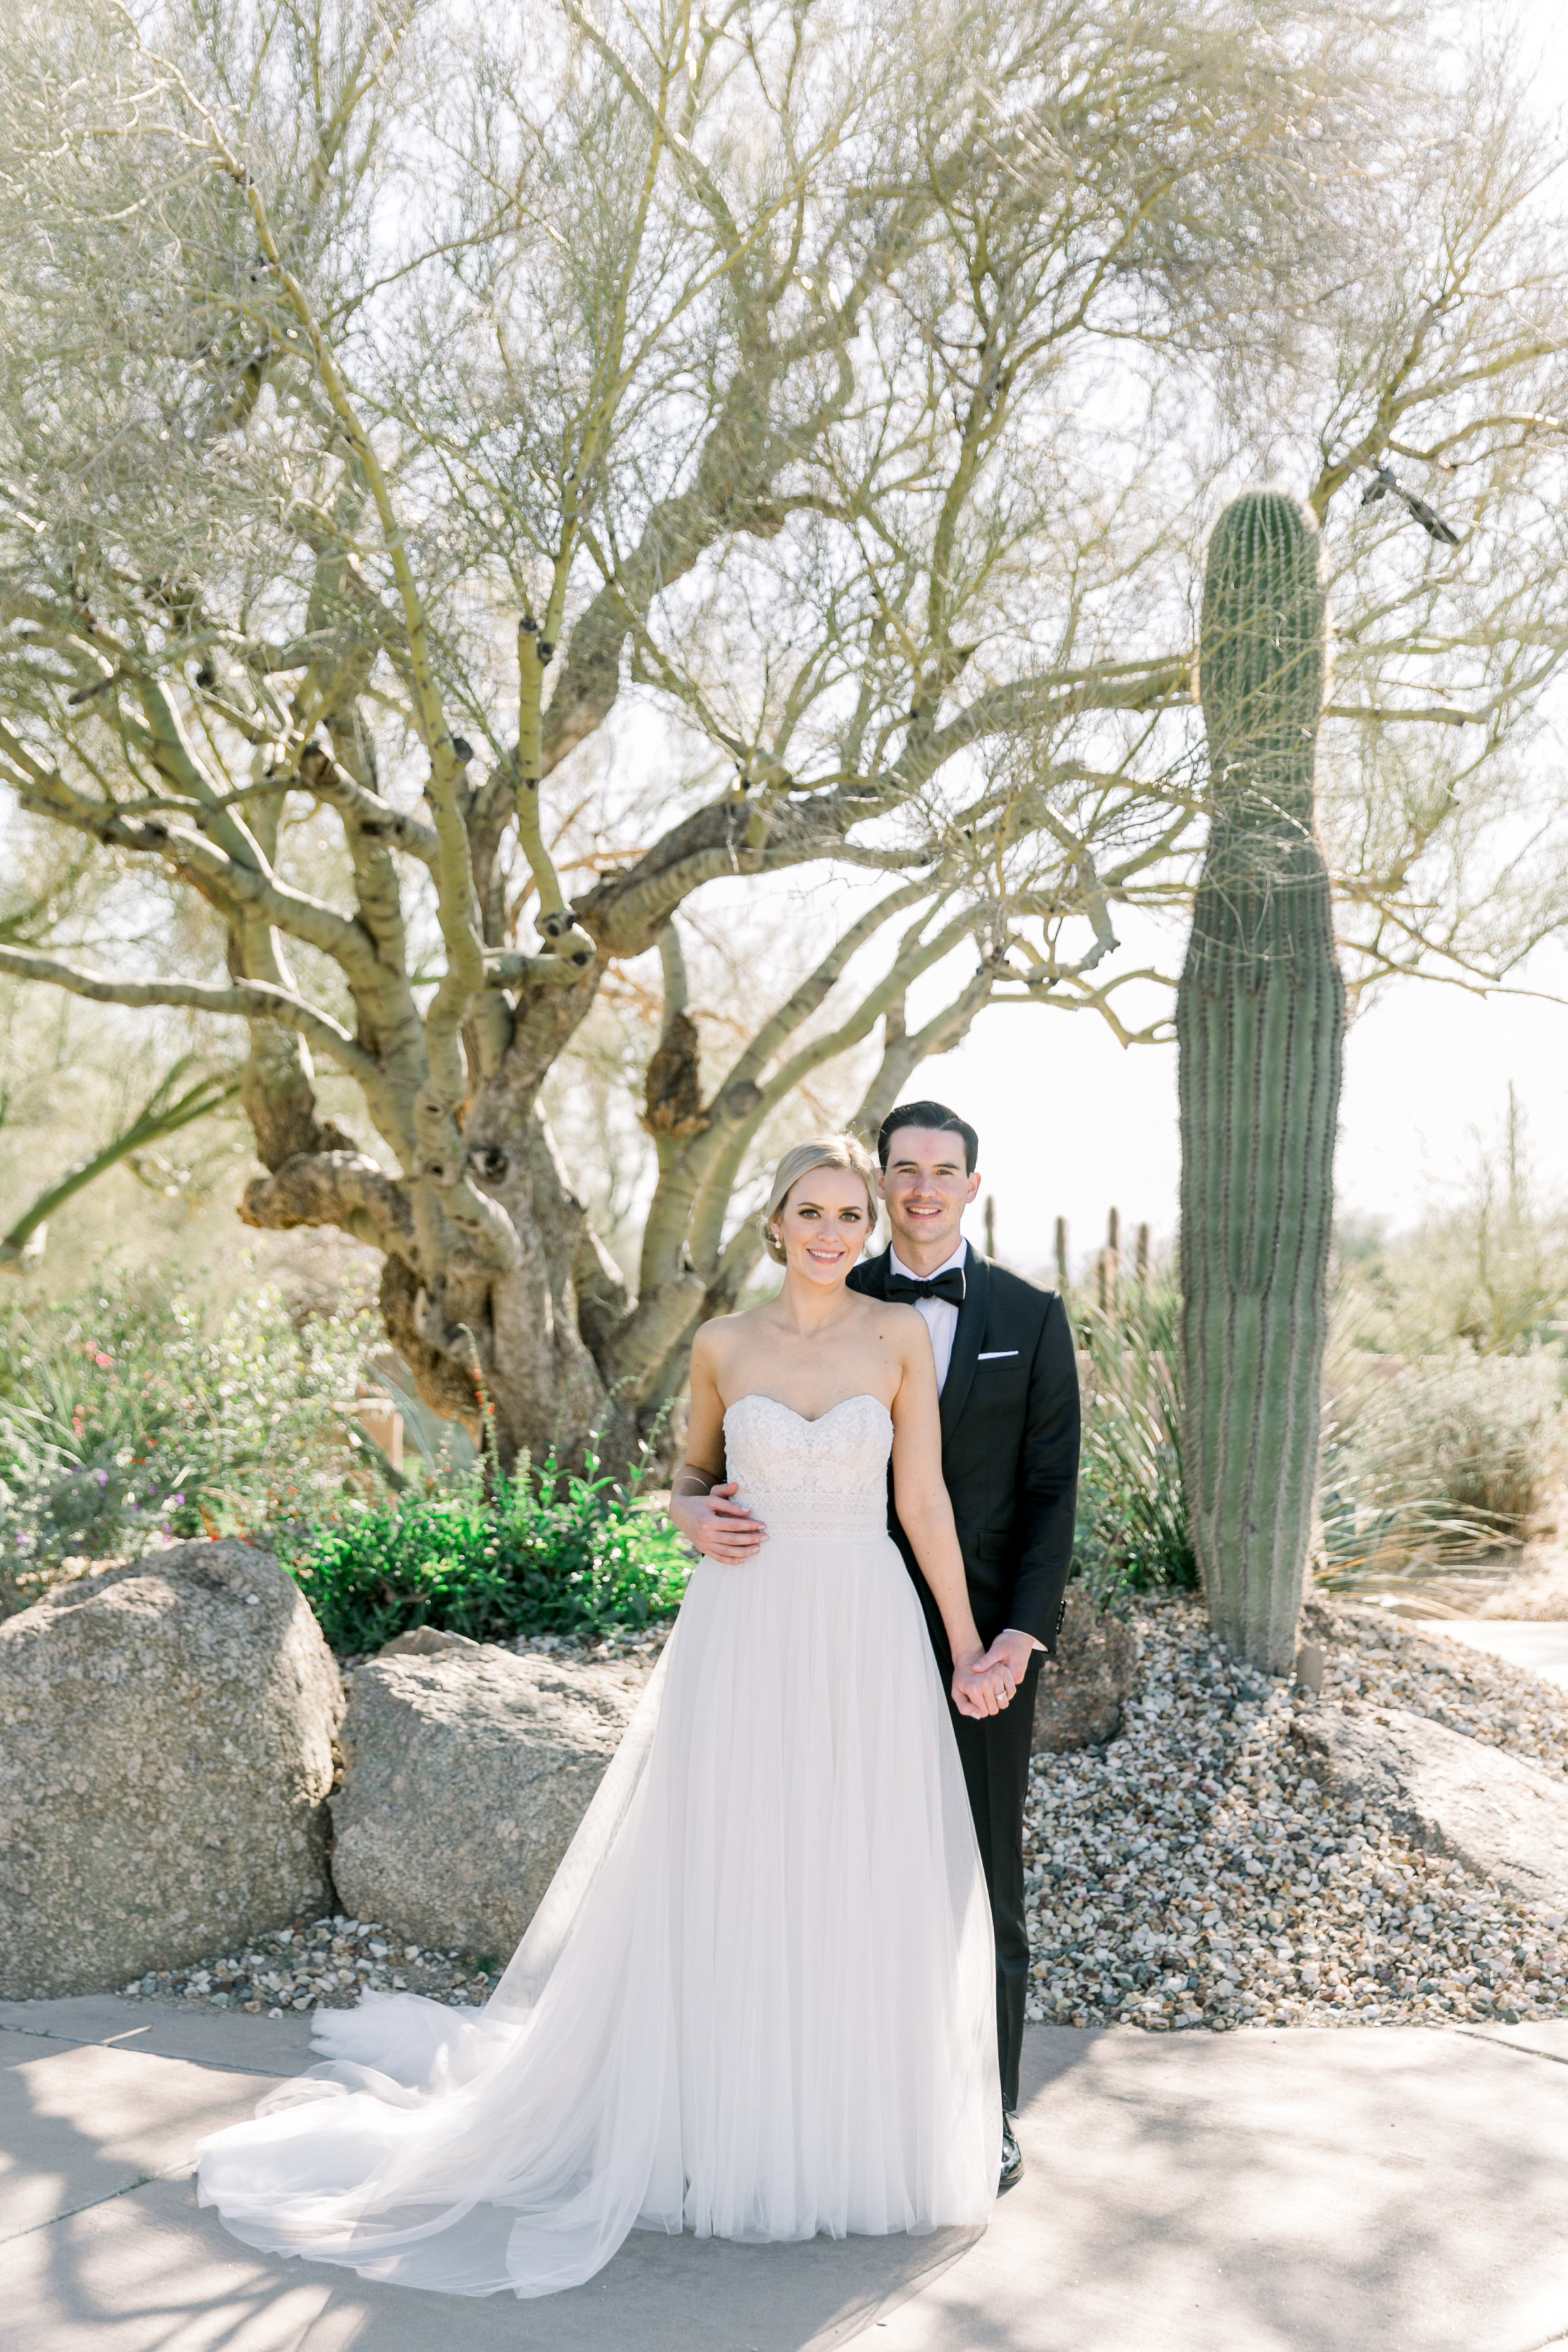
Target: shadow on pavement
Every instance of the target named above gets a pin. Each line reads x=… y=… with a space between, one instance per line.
x=1290 y=2191
x=145 y=2271
x=1310 y=2190
x=103 y=2246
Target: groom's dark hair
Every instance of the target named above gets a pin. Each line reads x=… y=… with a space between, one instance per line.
x=933 y=1115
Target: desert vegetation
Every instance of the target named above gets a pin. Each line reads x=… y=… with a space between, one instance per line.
x=1443 y=1430
x=581 y=591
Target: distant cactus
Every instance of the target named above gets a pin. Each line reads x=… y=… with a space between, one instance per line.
x=1261 y=1026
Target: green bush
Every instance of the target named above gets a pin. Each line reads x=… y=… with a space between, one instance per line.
x=543 y=1552
x=124 y=1422
x=1134 y=1532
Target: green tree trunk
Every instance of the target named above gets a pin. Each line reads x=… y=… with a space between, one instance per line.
x=1260 y=1027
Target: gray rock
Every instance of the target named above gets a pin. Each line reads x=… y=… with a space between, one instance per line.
x=165 y=1754
x=433 y=1642
x=1080 y=1696
x=468 y=1769
x=1502 y=1817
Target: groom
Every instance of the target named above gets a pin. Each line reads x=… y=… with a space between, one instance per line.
x=1008 y=1379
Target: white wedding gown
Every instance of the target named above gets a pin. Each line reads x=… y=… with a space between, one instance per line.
x=759 y=1998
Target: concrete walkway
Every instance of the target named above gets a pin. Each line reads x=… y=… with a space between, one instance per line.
x=1335 y=2191
x=1542 y=1647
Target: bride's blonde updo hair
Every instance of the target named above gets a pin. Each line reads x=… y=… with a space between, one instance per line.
x=825 y=1151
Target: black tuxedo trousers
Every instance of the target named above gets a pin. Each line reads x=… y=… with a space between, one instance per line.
x=1009 y=1459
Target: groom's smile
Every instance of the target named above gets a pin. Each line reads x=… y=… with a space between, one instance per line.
x=927 y=1187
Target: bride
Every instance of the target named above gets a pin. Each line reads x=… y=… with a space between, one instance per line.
x=758 y=1999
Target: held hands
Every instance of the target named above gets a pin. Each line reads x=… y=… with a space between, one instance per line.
x=719 y=1526
x=985 y=1682
x=1009 y=1656
x=978 y=1688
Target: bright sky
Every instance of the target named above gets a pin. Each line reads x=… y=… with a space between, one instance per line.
x=1071 y=1124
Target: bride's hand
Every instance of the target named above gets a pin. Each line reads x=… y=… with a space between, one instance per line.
x=978 y=1689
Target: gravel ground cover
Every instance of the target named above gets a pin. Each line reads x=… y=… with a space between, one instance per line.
x=324 y=1964
x=1189 y=1873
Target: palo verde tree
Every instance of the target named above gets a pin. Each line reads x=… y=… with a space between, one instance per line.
x=75 y=1105
x=486 y=496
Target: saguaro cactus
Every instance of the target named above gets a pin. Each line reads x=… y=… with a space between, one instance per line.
x=1261 y=1026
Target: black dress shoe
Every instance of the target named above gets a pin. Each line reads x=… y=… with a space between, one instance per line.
x=1012 y=2159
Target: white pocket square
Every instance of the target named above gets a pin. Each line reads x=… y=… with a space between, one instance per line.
x=993 y=1355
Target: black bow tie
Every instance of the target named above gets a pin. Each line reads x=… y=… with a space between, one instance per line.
x=948 y=1285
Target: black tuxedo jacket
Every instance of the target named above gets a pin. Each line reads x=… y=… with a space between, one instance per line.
x=1009 y=1449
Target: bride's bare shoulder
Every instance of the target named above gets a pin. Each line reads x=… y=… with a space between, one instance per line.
x=891 y=1318
x=724 y=1326
x=891 y=1324
x=718 y=1337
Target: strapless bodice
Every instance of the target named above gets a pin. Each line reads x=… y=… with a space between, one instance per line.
x=822 y=1478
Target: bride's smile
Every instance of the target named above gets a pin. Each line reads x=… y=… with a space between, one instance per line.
x=823 y=1226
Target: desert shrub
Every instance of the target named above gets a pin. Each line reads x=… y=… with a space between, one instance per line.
x=124 y=1422
x=1485 y=1269
x=1423 y=1461
x=1444 y=1413
x=541 y=1552
x=1437 y=1459
x=1134 y=1532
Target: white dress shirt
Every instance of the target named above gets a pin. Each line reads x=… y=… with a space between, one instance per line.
x=940 y=1315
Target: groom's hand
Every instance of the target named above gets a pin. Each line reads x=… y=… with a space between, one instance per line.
x=977 y=1688
x=1007 y=1661
x=720 y=1527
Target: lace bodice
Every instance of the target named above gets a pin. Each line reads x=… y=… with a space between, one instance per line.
x=822 y=1478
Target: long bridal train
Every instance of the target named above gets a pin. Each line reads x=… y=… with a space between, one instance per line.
x=758 y=2000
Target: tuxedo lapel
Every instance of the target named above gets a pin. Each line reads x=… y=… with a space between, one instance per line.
x=965 y=1341
x=870 y=1277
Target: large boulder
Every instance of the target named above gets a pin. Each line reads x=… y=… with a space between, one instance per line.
x=165 y=1754
x=469 y=1769
x=1502 y=1817
x=1080 y=1694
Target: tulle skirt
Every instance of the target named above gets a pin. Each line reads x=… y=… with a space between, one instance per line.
x=758 y=2000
